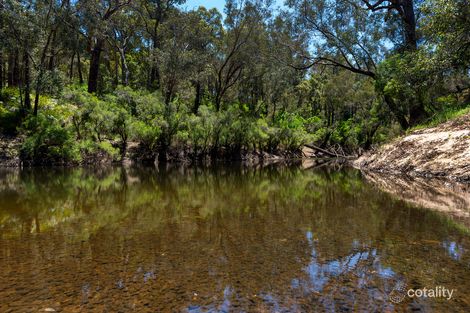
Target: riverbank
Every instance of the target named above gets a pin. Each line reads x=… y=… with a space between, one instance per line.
x=440 y=151
x=10 y=151
x=10 y=155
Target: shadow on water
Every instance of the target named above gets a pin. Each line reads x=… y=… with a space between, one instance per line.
x=279 y=238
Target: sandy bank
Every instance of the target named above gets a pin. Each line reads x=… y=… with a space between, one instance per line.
x=441 y=151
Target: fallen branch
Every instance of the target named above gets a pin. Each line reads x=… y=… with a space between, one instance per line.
x=328 y=153
x=313 y=147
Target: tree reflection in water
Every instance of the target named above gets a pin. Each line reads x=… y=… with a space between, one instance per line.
x=275 y=239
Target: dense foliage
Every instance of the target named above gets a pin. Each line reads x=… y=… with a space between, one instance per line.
x=85 y=78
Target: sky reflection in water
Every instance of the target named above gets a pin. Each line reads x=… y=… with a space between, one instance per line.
x=225 y=239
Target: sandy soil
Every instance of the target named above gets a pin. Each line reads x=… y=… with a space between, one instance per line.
x=442 y=151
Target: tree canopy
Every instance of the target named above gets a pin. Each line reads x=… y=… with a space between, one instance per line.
x=345 y=73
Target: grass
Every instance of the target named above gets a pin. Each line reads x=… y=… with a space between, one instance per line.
x=441 y=117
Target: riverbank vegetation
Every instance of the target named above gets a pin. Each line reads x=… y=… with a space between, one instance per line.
x=83 y=81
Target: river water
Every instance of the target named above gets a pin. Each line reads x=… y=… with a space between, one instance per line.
x=222 y=239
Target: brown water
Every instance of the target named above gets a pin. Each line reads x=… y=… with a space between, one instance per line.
x=225 y=239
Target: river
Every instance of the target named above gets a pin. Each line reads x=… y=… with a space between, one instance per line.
x=279 y=238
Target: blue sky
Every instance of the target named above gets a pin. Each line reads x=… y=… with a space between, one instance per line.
x=193 y=4
x=209 y=4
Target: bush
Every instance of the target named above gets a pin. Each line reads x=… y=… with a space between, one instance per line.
x=9 y=120
x=201 y=129
x=99 y=119
x=156 y=124
x=9 y=96
x=147 y=134
x=89 y=150
x=48 y=142
x=292 y=132
x=10 y=114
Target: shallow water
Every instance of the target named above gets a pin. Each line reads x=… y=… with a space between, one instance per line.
x=223 y=239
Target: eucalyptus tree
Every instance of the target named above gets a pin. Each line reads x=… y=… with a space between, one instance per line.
x=284 y=63
x=95 y=22
x=356 y=36
x=405 y=11
x=125 y=35
x=48 y=16
x=2 y=39
x=230 y=60
x=174 y=54
x=20 y=18
x=206 y=29
x=251 y=85
x=446 y=28
x=186 y=49
x=154 y=13
x=74 y=46
x=34 y=26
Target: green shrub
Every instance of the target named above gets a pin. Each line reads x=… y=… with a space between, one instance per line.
x=147 y=134
x=260 y=133
x=10 y=114
x=48 y=142
x=89 y=148
x=201 y=129
x=9 y=96
x=9 y=121
x=292 y=132
x=97 y=118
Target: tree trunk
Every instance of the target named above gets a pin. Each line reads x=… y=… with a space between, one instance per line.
x=27 y=82
x=95 y=66
x=42 y=67
x=169 y=94
x=163 y=154
x=1 y=70
x=10 y=70
x=154 y=79
x=13 y=69
x=217 y=103
x=409 y=25
x=51 y=64
x=417 y=110
x=218 y=97
x=71 y=67
x=16 y=69
x=417 y=113
x=116 y=68
x=79 y=68
x=370 y=136
x=197 y=100
x=398 y=115
x=125 y=67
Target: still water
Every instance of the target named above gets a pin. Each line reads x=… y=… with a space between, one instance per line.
x=221 y=239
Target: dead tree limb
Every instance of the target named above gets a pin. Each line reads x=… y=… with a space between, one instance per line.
x=313 y=147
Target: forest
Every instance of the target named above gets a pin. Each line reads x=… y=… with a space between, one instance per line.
x=86 y=80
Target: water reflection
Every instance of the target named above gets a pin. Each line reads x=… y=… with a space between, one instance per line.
x=219 y=239
x=453 y=249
